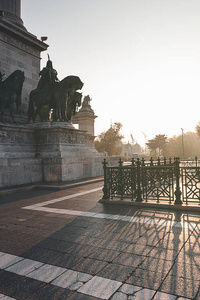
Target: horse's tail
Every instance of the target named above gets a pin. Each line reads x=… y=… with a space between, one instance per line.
x=31 y=110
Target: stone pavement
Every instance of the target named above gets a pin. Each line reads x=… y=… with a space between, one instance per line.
x=64 y=244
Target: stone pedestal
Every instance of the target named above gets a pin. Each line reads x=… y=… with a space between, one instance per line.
x=18 y=162
x=85 y=119
x=46 y=152
x=67 y=153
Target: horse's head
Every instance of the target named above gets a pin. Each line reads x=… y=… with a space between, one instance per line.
x=18 y=79
x=72 y=83
x=78 y=98
x=80 y=84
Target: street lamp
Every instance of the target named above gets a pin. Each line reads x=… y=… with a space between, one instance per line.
x=182 y=143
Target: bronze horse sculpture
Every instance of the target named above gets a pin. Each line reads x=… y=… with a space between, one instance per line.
x=73 y=103
x=10 y=93
x=57 y=97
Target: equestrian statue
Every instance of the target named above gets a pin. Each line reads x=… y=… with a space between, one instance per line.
x=10 y=92
x=61 y=97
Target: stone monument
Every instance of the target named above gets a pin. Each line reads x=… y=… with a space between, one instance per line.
x=42 y=151
x=19 y=50
x=85 y=117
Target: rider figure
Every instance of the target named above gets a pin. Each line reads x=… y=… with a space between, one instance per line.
x=48 y=75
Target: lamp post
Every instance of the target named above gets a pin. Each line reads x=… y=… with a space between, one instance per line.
x=182 y=143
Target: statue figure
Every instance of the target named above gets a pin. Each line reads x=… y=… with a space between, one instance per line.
x=10 y=93
x=58 y=95
x=86 y=101
x=48 y=76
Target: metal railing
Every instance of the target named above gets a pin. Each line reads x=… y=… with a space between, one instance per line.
x=171 y=181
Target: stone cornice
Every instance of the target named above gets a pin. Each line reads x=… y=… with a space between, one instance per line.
x=21 y=34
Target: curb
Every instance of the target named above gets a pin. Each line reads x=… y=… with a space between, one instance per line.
x=176 y=207
x=50 y=187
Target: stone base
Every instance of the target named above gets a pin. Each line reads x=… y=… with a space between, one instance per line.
x=46 y=152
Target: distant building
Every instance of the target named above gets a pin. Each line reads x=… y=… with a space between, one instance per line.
x=128 y=150
x=136 y=148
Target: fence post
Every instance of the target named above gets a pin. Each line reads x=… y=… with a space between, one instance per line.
x=133 y=179
x=177 y=175
x=121 y=181
x=138 y=191
x=106 y=194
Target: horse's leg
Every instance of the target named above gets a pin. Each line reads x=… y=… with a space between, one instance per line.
x=31 y=107
x=35 y=114
x=54 y=115
x=2 y=114
x=11 y=107
x=39 y=113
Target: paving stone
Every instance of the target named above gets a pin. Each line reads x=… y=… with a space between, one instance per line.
x=82 y=238
x=81 y=250
x=79 y=296
x=3 y=297
x=146 y=294
x=104 y=254
x=64 y=260
x=24 y=267
x=164 y=296
x=165 y=254
x=7 y=260
x=129 y=289
x=119 y=296
x=46 y=273
x=90 y=266
x=100 y=287
x=128 y=259
x=113 y=245
x=69 y=278
x=50 y=292
x=116 y=272
x=42 y=255
x=22 y=287
x=184 y=269
x=180 y=286
x=146 y=278
x=156 y=265
x=138 y=249
x=6 y=278
x=76 y=286
x=52 y=244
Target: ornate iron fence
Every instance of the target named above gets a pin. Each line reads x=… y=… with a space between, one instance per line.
x=169 y=181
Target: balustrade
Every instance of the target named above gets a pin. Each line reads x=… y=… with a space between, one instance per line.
x=171 y=181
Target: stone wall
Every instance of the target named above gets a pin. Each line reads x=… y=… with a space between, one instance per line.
x=47 y=152
x=20 y=50
x=18 y=162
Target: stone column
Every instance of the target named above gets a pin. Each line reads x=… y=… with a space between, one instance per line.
x=85 y=118
x=20 y=50
x=11 y=10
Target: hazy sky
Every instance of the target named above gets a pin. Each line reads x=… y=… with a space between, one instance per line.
x=139 y=59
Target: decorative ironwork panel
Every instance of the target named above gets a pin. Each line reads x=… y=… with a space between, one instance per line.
x=122 y=181
x=158 y=182
x=190 y=179
x=187 y=163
